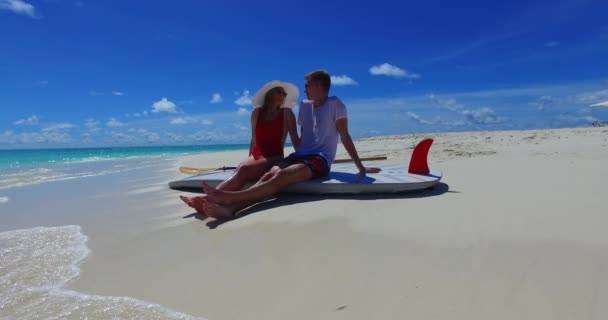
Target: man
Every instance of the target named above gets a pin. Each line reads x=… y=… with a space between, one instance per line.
x=322 y=119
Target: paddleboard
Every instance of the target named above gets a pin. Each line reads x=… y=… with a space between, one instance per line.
x=344 y=178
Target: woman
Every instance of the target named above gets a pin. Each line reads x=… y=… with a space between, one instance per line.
x=271 y=120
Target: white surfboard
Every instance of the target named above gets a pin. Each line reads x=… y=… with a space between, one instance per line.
x=343 y=178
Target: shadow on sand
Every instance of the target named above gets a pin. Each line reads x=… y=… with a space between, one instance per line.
x=288 y=199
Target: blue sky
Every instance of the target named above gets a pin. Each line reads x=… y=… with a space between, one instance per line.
x=107 y=73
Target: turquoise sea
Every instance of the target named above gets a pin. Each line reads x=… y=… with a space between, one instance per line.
x=42 y=236
x=25 y=167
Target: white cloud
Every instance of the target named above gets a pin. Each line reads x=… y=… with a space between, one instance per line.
x=591 y=97
x=437 y=121
x=343 y=80
x=449 y=103
x=43 y=82
x=79 y=4
x=136 y=114
x=163 y=105
x=85 y=137
x=600 y=104
x=242 y=112
x=584 y=111
x=31 y=121
x=219 y=136
x=182 y=120
x=28 y=138
x=8 y=137
x=244 y=100
x=118 y=93
x=482 y=116
x=92 y=125
x=175 y=137
x=149 y=136
x=57 y=127
x=417 y=118
x=57 y=136
x=390 y=70
x=479 y=116
x=113 y=123
x=216 y=98
x=4 y=199
x=575 y=119
x=241 y=127
x=545 y=101
x=190 y=120
x=122 y=137
x=552 y=44
x=18 y=7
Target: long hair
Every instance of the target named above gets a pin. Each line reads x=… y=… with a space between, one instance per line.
x=268 y=99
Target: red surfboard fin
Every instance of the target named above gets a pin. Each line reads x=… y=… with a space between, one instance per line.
x=418 y=163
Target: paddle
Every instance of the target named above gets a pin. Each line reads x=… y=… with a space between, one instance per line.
x=190 y=170
x=362 y=159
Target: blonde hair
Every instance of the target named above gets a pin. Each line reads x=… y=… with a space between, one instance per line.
x=322 y=76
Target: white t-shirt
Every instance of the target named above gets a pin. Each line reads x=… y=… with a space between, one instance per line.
x=319 y=132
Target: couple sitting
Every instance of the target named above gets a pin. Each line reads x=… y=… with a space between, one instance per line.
x=321 y=118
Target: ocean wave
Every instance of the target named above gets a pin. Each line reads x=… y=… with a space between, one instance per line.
x=106 y=158
x=4 y=199
x=36 y=265
x=33 y=176
x=41 y=175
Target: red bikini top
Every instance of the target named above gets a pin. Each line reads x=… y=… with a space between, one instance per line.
x=268 y=137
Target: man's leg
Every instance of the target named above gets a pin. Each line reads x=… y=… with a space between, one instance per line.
x=248 y=171
x=275 y=180
x=276 y=176
x=219 y=211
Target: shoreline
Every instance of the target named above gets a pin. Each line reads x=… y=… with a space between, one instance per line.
x=518 y=232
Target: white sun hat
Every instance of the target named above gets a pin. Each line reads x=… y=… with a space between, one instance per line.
x=293 y=94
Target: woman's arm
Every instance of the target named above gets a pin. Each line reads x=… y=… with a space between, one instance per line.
x=292 y=129
x=254 y=121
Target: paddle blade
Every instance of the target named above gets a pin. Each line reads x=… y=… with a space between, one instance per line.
x=190 y=170
x=418 y=163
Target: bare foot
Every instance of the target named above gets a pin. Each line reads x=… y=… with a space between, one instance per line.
x=198 y=203
x=215 y=195
x=217 y=211
x=194 y=203
x=187 y=200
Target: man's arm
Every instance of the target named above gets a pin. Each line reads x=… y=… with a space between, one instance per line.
x=347 y=142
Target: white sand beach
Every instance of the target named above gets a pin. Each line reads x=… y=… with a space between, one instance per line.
x=515 y=230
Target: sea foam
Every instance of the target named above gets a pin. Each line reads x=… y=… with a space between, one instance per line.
x=35 y=265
